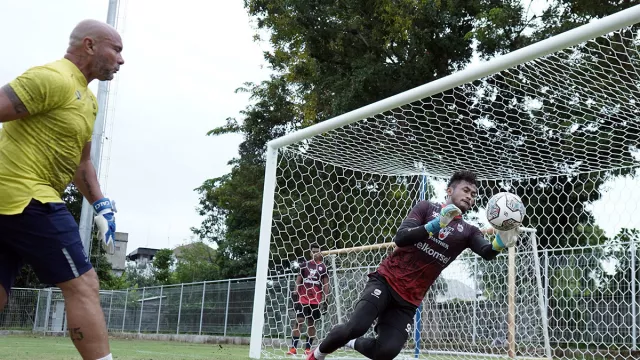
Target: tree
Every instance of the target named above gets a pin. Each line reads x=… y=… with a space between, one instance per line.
x=557 y=205
x=232 y=210
x=139 y=276
x=196 y=262
x=328 y=58
x=162 y=266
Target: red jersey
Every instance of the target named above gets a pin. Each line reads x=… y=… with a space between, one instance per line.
x=411 y=270
x=313 y=274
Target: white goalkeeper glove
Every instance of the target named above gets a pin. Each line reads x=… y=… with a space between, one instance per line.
x=505 y=239
x=446 y=215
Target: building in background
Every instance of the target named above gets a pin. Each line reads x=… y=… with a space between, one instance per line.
x=142 y=256
x=119 y=257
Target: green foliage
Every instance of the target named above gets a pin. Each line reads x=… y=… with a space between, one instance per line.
x=162 y=266
x=619 y=251
x=328 y=58
x=332 y=57
x=558 y=205
x=140 y=276
x=232 y=217
x=196 y=262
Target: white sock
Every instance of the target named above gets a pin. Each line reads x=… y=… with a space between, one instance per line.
x=351 y=344
x=108 y=357
x=319 y=355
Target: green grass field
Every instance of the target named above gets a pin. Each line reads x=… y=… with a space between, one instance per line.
x=59 y=348
x=39 y=347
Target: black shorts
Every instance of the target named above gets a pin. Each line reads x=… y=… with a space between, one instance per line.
x=307 y=311
x=393 y=310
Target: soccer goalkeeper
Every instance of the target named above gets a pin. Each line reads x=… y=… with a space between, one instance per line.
x=428 y=240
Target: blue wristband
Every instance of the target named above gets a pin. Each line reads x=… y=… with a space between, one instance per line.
x=433 y=226
x=102 y=205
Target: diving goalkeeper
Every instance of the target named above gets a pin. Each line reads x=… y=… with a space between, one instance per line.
x=428 y=240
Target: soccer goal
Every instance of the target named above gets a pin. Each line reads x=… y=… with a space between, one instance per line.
x=550 y=122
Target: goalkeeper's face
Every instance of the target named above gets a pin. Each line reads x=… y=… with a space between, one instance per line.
x=463 y=195
x=316 y=254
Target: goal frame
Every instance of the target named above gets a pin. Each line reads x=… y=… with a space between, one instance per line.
x=542 y=48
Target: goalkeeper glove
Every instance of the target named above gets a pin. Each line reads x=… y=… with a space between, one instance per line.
x=106 y=222
x=505 y=239
x=446 y=215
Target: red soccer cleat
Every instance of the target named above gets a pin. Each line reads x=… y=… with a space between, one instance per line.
x=292 y=351
x=307 y=352
x=310 y=355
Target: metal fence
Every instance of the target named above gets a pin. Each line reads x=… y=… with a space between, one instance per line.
x=206 y=308
x=584 y=305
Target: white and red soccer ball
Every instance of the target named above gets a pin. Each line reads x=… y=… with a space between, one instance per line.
x=505 y=211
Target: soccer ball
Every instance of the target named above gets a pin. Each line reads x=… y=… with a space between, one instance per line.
x=505 y=211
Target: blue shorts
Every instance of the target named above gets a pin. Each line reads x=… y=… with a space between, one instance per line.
x=46 y=237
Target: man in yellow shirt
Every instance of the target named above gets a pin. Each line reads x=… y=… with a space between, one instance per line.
x=48 y=113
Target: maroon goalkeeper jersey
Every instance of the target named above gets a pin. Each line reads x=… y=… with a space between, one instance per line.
x=410 y=270
x=313 y=273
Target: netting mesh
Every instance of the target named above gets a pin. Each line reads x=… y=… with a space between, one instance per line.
x=560 y=131
x=545 y=117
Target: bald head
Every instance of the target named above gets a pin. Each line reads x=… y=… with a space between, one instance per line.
x=94 y=29
x=95 y=47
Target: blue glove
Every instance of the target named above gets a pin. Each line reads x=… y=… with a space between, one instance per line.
x=106 y=222
x=446 y=215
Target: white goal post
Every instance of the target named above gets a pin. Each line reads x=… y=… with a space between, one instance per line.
x=344 y=183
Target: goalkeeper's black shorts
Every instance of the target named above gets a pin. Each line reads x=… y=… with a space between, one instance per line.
x=393 y=310
x=307 y=311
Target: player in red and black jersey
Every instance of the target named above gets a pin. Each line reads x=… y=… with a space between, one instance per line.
x=312 y=288
x=427 y=241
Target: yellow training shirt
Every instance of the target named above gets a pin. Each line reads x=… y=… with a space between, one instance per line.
x=40 y=153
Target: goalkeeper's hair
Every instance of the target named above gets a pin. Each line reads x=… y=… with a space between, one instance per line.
x=464 y=175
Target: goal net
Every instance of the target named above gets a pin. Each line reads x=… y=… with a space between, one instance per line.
x=555 y=123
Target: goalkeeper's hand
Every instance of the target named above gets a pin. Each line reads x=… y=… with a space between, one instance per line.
x=106 y=222
x=446 y=215
x=505 y=239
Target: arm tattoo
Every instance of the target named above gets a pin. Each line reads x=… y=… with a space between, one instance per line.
x=75 y=334
x=87 y=184
x=18 y=106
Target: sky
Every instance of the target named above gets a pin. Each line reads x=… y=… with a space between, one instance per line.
x=183 y=61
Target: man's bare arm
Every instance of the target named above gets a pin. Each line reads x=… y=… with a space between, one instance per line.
x=326 y=288
x=86 y=179
x=11 y=107
x=294 y=294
